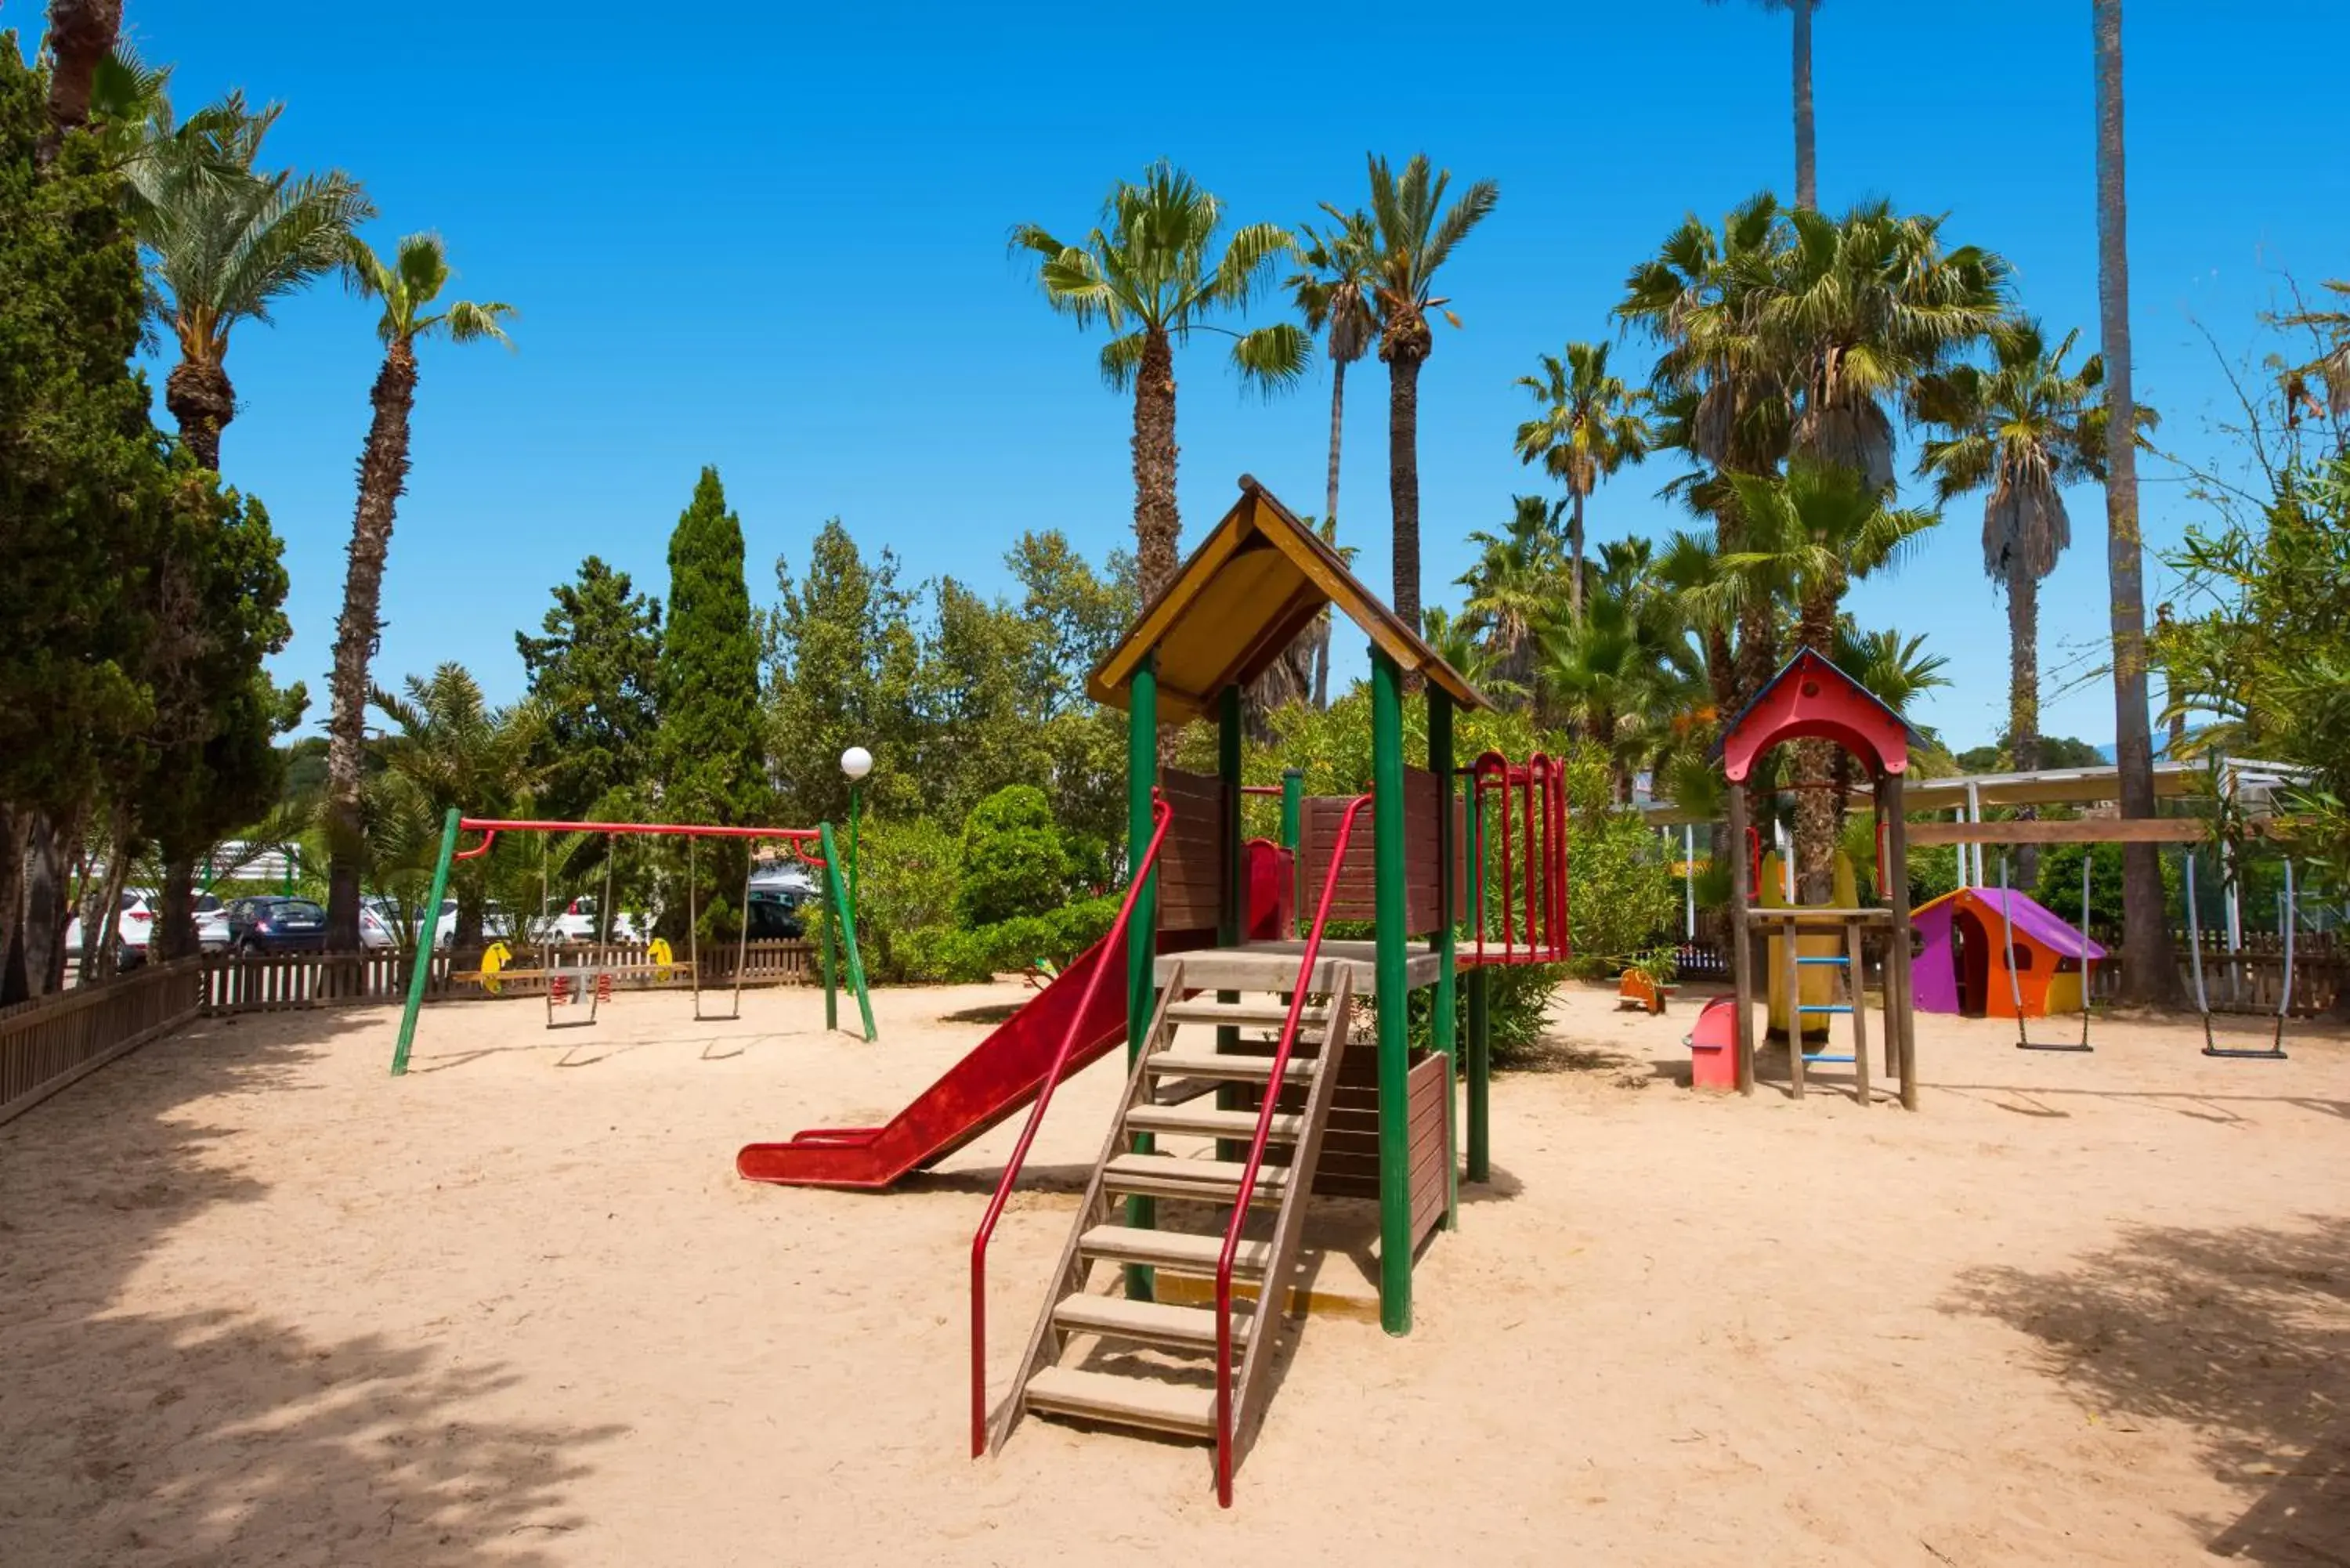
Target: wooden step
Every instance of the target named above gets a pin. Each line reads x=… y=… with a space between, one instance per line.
x=1201 y=1121
x=1207 y=1181
x=1267 y=1013
x=1218 y=1065
x=1150 y=1322
x=1173 y=1250
x=1127 y=1401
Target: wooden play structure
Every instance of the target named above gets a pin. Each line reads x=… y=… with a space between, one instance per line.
x=1247 y=1091
x=1810 y=698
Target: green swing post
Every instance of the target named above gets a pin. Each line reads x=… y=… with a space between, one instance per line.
x=1443 y=1024
x=1142 y=926
x=1231 y=893
x=824 y=948
x=1293 y=832
x=1395 y=1040
x=845 y=909
x=419 y=964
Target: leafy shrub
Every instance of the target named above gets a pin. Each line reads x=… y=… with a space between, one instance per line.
x=1621 y=896
x=1014 y=862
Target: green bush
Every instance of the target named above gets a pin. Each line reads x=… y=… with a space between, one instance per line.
x=1014 y=862
x=1621 y=895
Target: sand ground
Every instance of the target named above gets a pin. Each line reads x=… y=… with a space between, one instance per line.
x=261 y=1304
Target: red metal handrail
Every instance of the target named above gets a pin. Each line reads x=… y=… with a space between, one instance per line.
x=1256 y=1159
x=1162 y=814
x=1534 y=879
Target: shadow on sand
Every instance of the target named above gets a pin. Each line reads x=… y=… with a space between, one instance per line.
x=2241 y=1334
x=227 y=1434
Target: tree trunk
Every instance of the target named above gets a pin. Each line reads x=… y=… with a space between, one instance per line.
x=2023 y=697
x=1816 y=824
x=202 y=401
x=100 y=937
x=1330 y=522
x=47 y=905
x=14 y=826
x=1807 y=175
x=1403 y=476
x=383 y=475
x=81 y=34
x=2146 y=968
x=176 y=914
x=1574 y=560
x=1158 y=526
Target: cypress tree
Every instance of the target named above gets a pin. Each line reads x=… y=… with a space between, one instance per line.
x=713 y=765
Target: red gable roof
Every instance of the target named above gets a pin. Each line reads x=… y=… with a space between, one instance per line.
x=1810 y=698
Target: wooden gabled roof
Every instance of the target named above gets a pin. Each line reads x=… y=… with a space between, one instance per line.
x=1255 y=584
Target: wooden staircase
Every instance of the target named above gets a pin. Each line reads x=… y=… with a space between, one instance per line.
x=1100 y=1354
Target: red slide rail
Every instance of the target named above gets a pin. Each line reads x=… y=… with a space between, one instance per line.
x=1161 y=815
x=1256 y=1159
x=1533 y=887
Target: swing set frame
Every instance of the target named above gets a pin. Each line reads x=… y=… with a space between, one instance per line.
x=813 y=845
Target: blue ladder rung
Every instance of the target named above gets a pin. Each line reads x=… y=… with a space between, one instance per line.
x=1832 y=960
x=1824 y=1057
x=1824 y=1007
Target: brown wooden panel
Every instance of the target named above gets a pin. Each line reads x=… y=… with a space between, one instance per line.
x=2084 y=830
x=1191 y=862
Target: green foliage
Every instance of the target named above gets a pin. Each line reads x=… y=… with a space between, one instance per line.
x=1012 y=861
x=597 y=671
x=909 y=872
x=448 y=747
x=2055 y=752
x=76 y=460
x=2058 y=889
x=843 y=667
x=712 y=762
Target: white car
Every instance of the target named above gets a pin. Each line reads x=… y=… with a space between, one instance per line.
x=580 y=923
x=134 y=925
x=496 y=924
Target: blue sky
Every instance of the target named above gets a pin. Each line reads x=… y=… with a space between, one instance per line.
x=773 y=240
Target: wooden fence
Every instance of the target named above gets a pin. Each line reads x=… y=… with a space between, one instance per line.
x=2250 y=979
x=277 y=983
x=49 y=1043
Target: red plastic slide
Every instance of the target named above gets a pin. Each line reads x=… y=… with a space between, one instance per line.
x=1000 y=1077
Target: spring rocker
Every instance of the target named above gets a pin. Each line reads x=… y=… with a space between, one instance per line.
x=1810 y=699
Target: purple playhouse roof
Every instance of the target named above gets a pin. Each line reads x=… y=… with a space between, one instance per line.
x=2050 y=930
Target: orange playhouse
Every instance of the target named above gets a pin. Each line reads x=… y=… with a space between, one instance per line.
x=1959 y=967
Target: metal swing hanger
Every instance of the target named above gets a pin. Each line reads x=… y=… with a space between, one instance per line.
x=2288 y=921
x=2023 y=1040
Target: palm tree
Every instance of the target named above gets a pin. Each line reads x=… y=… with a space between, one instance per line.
x=2146 y=945
x=2020 y=431
x=1589 y=427
x=224 y=242
x=1895 y=670
x=1146 y=272
x=1333 y=293
x=448 y=747
x=1417 y=234
x=1809 y=536
x=1807 y=178
x=81 y=34
x=1625 y=672
x=1514 y=583
x=1860 y=306
x=409 y=286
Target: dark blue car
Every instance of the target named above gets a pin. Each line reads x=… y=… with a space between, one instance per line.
x=276 y=926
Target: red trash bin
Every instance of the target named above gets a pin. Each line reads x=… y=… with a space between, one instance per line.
x=1713 y=1045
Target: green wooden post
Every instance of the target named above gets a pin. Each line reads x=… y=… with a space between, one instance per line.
x=1141 y=933
x=1443 y=1021
x=1395 y=1040
x=1232 y=892
x=1480 y=1014
x=845 y=907
x=1293 y=832
x=420 y=967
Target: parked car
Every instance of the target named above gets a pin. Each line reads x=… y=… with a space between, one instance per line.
x=375 y=932
x=496 y=924
x=579 y=922
x=775 y=913
x=211 y=923
x=134 y=926
x=276 y=925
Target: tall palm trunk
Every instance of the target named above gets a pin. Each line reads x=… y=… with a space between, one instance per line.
x=1329 y=520
x=2024 y=694
x=81 y=34
x=1403 y=473
x=1816 y=824
x=1807 y=176
x=1157 y=524
x=383 y=475
x=1575 y=557
x=2146 y=972
x=198 y=393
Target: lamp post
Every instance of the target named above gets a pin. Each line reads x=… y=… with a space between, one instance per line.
x=856 y=762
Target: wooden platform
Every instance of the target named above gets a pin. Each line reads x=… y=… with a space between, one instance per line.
x=1272 y=966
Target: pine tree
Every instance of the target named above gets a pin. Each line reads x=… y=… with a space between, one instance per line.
x=712 y=765
x=597 y=670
